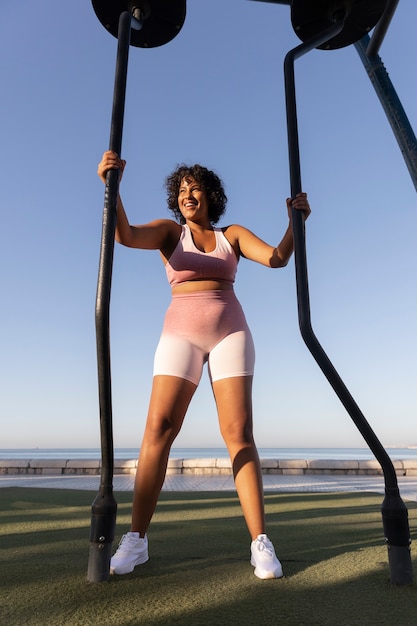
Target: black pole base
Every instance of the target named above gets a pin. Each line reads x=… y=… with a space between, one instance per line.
x=98 y=570
x=400 y=566
x=397 y=536
x=102 y=530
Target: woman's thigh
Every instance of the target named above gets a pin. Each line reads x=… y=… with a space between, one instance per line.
x=234 y=406
x=168 y=404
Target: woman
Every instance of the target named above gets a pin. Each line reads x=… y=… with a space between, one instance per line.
x=204 y=323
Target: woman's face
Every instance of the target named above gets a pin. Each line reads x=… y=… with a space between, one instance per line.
x=192 y=200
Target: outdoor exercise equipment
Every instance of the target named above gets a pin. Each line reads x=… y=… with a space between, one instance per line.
x=325 y=24
x=328 y=24
x=146 y=24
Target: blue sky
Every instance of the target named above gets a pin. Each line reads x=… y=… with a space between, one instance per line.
x=213 y=95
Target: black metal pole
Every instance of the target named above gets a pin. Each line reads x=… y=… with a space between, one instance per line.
x=394 y=511
x=104 y=507
x=391 y=104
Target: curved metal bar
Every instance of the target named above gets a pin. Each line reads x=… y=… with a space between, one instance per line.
x=104 y=508
x=301 y=259
x=394 y=512
x=381 y=28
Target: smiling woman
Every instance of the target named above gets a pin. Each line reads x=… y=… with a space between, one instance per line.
x=203 y=324
x=200 y=178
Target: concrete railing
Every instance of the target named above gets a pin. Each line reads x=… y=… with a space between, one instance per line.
x=46 y=467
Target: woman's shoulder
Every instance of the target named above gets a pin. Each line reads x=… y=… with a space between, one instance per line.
x=233 y=231
x=165 y=222
x=171 y=233
x=166 y=227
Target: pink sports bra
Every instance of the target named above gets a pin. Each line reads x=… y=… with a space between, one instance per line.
x=188 y=262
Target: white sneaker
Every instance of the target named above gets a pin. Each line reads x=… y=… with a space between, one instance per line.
x=132 y=551
x=264 y=560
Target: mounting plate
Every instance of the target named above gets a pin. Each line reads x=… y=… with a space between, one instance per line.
x=310 y=18
x=163 y=19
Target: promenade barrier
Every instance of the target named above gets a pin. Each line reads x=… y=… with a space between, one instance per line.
x=210 y=466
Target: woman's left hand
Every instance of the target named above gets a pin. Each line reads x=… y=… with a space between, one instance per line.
x=300 y=203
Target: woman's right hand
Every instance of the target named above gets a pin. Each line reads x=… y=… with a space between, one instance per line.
x=110 y=161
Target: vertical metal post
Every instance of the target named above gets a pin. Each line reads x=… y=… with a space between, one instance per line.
x=104 y=507
x=394 y=512
x=391 y=104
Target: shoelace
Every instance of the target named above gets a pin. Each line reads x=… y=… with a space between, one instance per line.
x=127 y=540
x=263 y=544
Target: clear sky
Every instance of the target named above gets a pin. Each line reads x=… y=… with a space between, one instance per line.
x=214 y=95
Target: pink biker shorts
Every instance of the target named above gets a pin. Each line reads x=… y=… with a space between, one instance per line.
x=205 y=326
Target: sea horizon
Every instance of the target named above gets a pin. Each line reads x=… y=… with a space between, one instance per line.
x=307 y=453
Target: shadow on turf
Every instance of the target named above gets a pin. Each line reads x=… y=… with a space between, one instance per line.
x=199 y=563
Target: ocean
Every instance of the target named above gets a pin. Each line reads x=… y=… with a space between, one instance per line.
x=199 y=453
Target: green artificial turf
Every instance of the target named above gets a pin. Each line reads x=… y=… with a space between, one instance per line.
x=331 y=547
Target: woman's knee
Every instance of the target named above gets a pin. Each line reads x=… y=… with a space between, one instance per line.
x=238 y=433
x=161 y=429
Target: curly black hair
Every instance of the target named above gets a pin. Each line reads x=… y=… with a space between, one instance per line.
x=210 y=183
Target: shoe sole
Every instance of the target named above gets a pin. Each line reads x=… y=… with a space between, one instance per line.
x=264 y=574
x=141 y=561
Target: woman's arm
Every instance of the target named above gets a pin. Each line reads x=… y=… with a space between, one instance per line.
x=252 y=247
x=156 y=235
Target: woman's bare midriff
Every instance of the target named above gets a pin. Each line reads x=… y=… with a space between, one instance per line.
x=201 y=285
